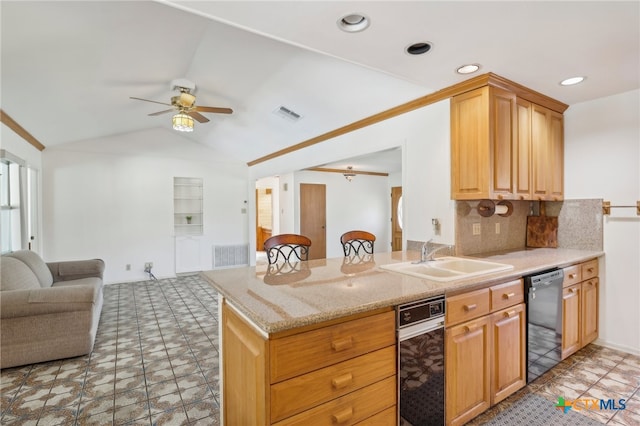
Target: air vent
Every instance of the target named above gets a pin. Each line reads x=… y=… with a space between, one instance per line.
x=285 y=112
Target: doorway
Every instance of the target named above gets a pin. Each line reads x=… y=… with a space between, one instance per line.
x=396 y=218
x=264 y=216
x=313 y=217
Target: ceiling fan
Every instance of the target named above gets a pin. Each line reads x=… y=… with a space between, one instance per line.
x=185 y=107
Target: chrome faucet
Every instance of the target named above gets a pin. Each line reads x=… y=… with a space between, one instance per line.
x=426 y=255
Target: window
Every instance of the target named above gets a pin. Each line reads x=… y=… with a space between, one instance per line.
x=18 y=203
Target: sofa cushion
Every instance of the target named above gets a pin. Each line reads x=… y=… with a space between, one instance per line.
x=15 y=275
x=37 y=265
x=93 y=281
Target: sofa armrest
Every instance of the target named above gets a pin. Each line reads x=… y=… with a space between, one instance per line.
x=50 y=300
x=76 y=269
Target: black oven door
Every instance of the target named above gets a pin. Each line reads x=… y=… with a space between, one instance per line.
x=421 y=375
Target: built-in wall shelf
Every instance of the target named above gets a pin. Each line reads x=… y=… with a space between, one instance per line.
x=187 y=206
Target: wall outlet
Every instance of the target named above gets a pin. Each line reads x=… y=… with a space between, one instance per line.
x=476 y=229
x=497 y=227
x=148 y=266
x=127 y=267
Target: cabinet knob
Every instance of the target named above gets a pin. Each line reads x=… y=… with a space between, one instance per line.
x=508 y=295
x=470 y=307
x=572 y=290
x=342 y=415
x=509 y=314
x=500 y=197
x=590 y=269
x=572 y=276
x=470 y=328
x=342 y=381
x=522 y=197
x=342 y=344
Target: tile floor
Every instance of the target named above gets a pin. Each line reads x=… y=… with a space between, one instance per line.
x=155 y=362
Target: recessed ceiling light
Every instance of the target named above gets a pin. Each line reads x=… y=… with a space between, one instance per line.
x=353 y=23
x=419 y=48
x=468 y=69
x=571 y=81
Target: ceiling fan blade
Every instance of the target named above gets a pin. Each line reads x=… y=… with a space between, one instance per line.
x=213 y=109
x=161 y=112
x=147 y=100
x=201 y=118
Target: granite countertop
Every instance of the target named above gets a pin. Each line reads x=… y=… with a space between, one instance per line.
x=324 y=289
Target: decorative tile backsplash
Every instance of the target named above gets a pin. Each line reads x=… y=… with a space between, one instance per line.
x=579 y=226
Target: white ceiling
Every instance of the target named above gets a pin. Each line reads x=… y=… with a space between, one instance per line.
x=68 y=68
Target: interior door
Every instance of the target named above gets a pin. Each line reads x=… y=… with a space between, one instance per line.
x=396 y=226
x=313 y=217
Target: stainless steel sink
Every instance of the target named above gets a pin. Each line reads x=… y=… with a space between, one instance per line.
x=447 y=268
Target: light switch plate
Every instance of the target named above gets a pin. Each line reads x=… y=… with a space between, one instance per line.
x=476 y=229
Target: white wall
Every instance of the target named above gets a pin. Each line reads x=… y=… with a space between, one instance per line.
x=113 y=198
x=423 y=135
x=602 y=160
x=362 y=204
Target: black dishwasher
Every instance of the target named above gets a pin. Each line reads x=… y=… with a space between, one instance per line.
x=544 y=321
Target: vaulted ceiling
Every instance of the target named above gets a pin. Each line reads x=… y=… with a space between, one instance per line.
x=70 y=68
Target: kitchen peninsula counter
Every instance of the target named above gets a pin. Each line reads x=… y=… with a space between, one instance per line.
x=326 y=289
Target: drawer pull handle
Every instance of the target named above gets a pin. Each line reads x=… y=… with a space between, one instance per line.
x=470 y=328
x=342 y=344
x=342 y=381
x=509 y=314
x=508 y=295
x=470 y=307
x=572 y=290
x=342 y=415
x=572 y=276
x=590 y=269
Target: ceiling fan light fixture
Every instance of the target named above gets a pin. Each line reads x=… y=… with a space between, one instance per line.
x=349 y=175
x=182 y=122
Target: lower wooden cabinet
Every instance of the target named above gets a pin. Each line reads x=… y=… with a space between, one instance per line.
x=509 y=360
x=485 y=357
x=467 y=370
x=589 y=311
x=343 y=372
x=579 y=306
x=571 y=341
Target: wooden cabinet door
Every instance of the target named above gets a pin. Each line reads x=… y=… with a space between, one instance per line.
x=571 y=327
x=547 y=149
x=555 y=187
x=522 y=188
x=467 y=378
x=470 y=145
x=502 y=110
x=589 y=311
x=245 y=379
x=509 y=363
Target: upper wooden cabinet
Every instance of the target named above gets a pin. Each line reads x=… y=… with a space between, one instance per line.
x=504 y=146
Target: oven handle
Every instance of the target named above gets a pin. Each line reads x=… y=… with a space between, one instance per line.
x=418 y=329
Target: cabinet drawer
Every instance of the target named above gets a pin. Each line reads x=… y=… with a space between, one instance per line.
x=388 y=417
x=301 y=353
x=572 y=275
x=467 y=306
x=589 y=269
x=349 y=409
x=300 y=393
x=507 y=294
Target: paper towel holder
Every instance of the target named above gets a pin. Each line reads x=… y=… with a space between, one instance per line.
x=487 y=208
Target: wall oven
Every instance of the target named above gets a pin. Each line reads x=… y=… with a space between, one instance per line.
x=544 y=321
x=421 y=388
